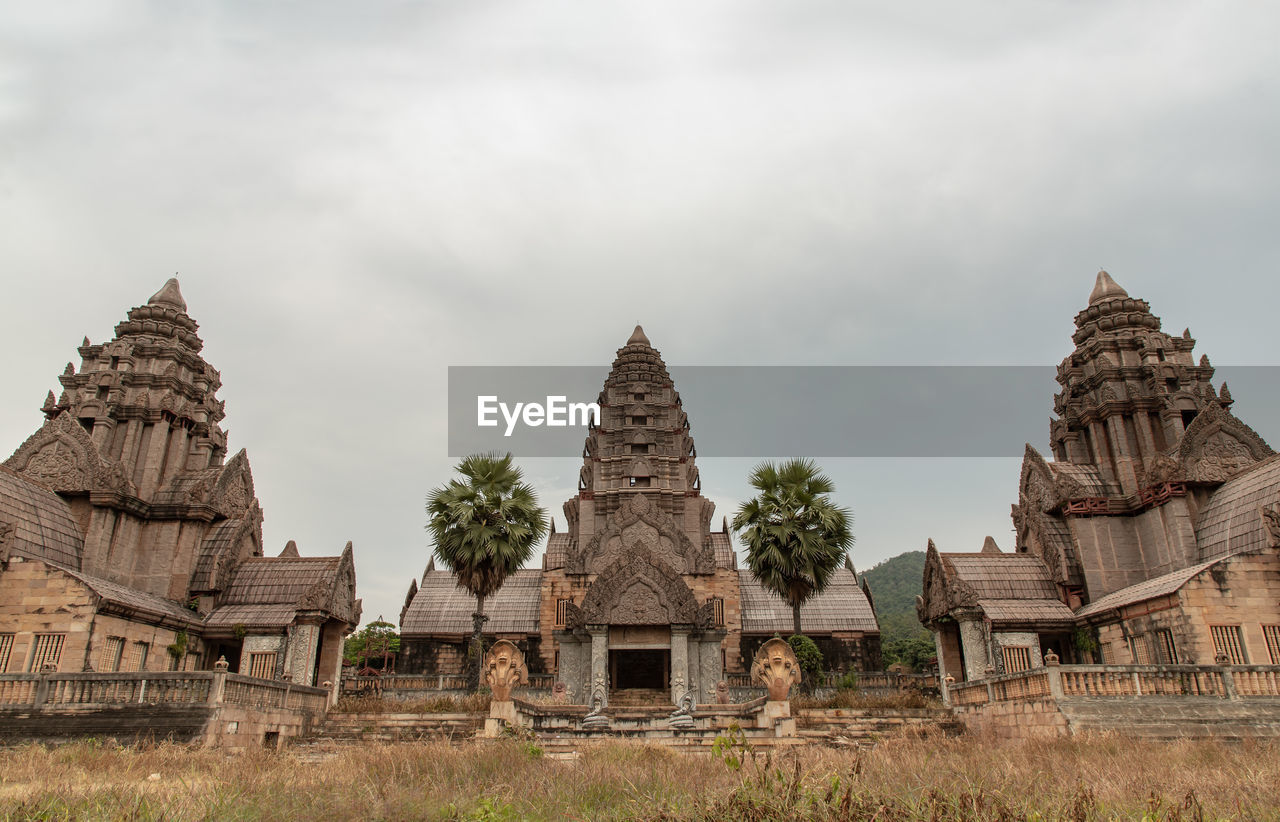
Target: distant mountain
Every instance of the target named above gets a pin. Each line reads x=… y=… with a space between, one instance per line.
x=895 y=584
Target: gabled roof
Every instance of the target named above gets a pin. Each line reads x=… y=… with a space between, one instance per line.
x=1230 y=522
x=557 y=550
x=1026 y=610
x=270 y=591
x=841 y=607
x=1142 y=591
x=723 y=546
x=441 y=607
x=37 y=523
x=140 y=602
x=1088 y=477
x=1002 y=576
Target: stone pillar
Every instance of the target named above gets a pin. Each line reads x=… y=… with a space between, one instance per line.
x=973 y=640
x=599 y=659
x=681 y=676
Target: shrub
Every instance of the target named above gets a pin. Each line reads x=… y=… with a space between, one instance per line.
x=806 y=651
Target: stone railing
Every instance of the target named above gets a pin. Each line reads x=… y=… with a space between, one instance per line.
x=877 y=681
x=417 y=684
x=212 y=688
x=1102 y=681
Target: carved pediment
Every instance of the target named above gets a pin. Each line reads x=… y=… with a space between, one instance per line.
x=638 y=589
x=1037 y=489
x=942 y=591
x=62 y=457
x=233 y=492
x=640 y=526
x=1217 y=446
x=1270 y=515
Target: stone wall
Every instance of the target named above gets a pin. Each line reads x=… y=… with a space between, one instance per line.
x=36 y=598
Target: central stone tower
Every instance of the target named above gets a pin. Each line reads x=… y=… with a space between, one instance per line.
x=636 y=589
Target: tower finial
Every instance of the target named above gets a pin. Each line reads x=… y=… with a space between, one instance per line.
x=169 y=295
x=1106 y=288
x=638 y=337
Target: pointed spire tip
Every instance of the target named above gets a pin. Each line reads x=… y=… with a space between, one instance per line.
x=638 y=337
x=170 y=295
x=1105 y=288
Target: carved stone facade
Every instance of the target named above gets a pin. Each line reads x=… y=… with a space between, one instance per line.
x=639 y=592
x=1154 y=486
x=125 y=499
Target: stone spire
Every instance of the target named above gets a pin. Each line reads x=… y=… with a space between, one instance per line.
x=147 y=397
x=1106 y=288
x=641 y=448
x=1128 y=390
x=169 y=295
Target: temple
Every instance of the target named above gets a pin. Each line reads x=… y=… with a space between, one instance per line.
x=129 y=542
x=638 y=594
x=1152 y=536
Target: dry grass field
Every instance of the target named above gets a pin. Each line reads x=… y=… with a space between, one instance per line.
x=1101 y=777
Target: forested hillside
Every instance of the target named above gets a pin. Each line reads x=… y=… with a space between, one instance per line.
x=895 y=584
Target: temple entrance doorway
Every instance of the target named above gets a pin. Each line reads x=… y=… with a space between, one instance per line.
x=640 y=668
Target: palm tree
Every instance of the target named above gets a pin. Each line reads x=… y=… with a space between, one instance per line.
x=484 y=527
x=794 y=534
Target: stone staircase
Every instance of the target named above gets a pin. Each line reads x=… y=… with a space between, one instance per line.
x=557 y=730
x=640 y=697
x=355 y=728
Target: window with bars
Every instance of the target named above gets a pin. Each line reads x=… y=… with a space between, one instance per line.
x=1226 y=640
x=262 y=664
x=6 y=648
x=1140 y=647
x=1270 y=632
x=1016 y=658
x=112 y=651
x=47 y=650
x=562 y=612
x=717 y=607
x=1108 y=653
x=1162 y=649
x=137 y=660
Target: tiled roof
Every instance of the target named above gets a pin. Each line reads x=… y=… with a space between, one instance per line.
x=1088 y=476
x=1142 y=591
x=43 y=527
x=277 y=580
x=251 y=616
x=441 y=607
x=221 y=537
x=557 y=546
x=723 y=545
x=1230 y=523
x=1025 y=610
x=841 y=607
x=178 y=491
x=135 y=600
x=1002 y=576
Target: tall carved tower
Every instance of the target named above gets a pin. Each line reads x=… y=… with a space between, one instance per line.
x=135 y=448
x=642 y=448
x=1129 y=390
x=639 y=593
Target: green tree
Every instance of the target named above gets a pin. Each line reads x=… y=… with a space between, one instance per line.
x=484 y=527
x=376 y=640
x=794 y=534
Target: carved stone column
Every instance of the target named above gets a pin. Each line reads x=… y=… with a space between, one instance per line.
x=680 y=673
x=599 y=659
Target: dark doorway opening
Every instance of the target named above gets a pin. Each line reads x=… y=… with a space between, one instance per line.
x=640 y=668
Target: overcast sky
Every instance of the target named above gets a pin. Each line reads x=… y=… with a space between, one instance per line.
x=358 y=195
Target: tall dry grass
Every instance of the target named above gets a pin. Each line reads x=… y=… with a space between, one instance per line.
x=1101 y=777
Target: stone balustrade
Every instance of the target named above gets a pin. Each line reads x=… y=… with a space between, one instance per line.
x=1081 y=681
x=215 y=707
